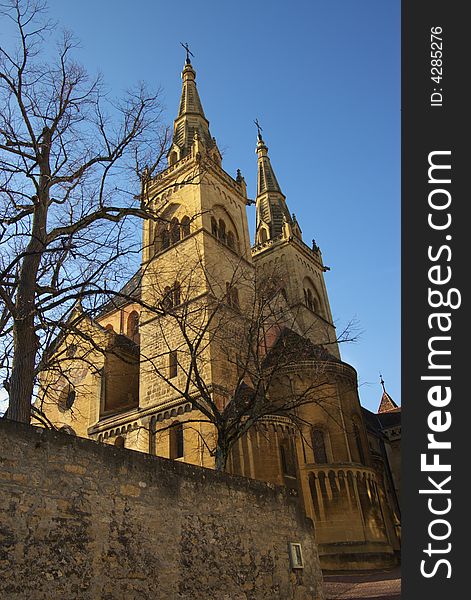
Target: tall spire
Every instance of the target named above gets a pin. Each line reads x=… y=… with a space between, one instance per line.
x=272 y=212
x=387 y=404
x=266 y=181
x=191 y=119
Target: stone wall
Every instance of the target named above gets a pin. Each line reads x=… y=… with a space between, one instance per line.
x=83 y=520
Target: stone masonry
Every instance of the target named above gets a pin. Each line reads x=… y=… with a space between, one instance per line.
x=83 y=520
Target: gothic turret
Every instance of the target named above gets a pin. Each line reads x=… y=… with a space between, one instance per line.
x=191 y=121
x=387 y=404
x=273 y=217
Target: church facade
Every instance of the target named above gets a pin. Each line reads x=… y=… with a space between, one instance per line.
x=121 y=382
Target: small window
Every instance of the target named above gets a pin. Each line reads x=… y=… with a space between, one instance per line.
x=133 y=326
x=119 y=442
x=66 y=398
x=71 y=350
x=222 y=231
x=214 y=227
x=174 y=231
x=185 y=226
x=318 y=447
x=172 y=364
x=358 y=442
x=167 y=299
x=165 y=239
x=232 y=296
x=176 y=441
x=287 y=458
x=176 y=294
x=171 y=297
x=309 y=299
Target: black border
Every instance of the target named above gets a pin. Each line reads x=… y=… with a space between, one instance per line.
x=427 y=128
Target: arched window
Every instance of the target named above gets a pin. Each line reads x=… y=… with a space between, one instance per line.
x=133 y=326
x=174 y=231
x=309 y=299
x=185 y=226
x=165 y=238
x=222 y=231
x=109 y=327
x=358 y=443
x=176 y=294
x=263 y=235
x=167 y=299
x=214 y=227
x=119 y=442
x=231 y=240
x=176 y=440
x=288 y=463
x=172 y=364
x=232 y=296
x=318 y=447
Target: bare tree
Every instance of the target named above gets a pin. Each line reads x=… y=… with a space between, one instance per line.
x=70 y=160
x=238 y=331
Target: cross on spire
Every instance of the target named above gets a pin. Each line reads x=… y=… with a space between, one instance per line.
x=259 y=129
x=188 y=52
x=382 y=381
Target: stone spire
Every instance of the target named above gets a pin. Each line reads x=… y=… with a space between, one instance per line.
x=273 y=217
x=191 y=119
x=387 y=404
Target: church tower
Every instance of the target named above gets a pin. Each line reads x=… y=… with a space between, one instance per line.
x=192 y=252
x=197 y=262
x=279 y=248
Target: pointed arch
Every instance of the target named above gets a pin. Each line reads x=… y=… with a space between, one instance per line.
x=165 y=239
x=119 y=442
x=174 y=231
x=311 y=297
x=231 y=242
x=358 y=442
x=176 y=294
x=176 y=440
x=319 y=446
x=132 y=326
x=185 y=226
x=222 y=231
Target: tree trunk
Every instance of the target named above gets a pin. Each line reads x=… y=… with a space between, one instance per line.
x=222 y=454
x=25 y=340
x=22 y=374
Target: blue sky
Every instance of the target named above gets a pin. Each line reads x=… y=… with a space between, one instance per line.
x=323 y=78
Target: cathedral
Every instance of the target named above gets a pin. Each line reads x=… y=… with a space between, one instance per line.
x=134 y=374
